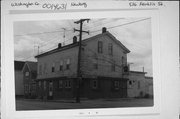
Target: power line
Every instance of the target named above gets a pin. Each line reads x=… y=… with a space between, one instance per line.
x=41 y=33
x=122 y=24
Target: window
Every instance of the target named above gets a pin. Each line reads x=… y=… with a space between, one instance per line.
x=44 y=85
x=95 y=64
x=126 y=68
x=53 y=67
x=116 y=85
x=39 y=84
x=26 y=88
x=139 y=84
x=27 y=73
x=100 y=47
x=110 y=49
x=130 y=82
x=45 y=66
x=61 y=66
x=94 y=84
x=40 y=69
x=67 y=84
x=60 y=84
x=68 y=64
x=113 y=67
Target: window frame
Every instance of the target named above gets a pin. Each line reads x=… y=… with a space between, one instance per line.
x=116 y=84
x=95 y=86
x=60 y=85
x=110 y=49
x=61 y=66
x=68 y=62
x=100 y=47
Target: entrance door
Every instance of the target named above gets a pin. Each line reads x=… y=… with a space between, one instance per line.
x=50 y=89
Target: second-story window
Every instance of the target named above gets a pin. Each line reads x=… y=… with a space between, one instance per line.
x=61 y=66
x=113 y=66
x=45 y=68
x=68 y=64
x=100 y=47
x=95 y=63
x=53 y=67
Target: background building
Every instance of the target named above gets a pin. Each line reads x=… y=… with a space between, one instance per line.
x=19 y=87
x=29 y=75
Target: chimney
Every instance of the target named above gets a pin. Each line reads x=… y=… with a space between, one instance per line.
x=104 y=29
x=74 y=39
x=59 y=45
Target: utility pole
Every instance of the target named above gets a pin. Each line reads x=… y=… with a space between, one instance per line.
x=79 y=75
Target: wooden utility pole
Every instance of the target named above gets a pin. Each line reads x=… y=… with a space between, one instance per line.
x=79 y=75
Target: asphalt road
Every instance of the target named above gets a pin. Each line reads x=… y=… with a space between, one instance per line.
x=24 y=104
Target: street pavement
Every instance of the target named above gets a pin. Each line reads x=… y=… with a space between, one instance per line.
x=33 y=104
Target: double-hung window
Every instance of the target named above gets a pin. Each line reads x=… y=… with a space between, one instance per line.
x=110 y=49
x=68 y=64
x=61 y=66
x=100 y=47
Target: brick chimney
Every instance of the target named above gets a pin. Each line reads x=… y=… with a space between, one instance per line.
x=104 y=29
x=59 y=45
x=74 y=39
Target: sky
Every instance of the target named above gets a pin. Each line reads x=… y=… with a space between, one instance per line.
x=33 y=37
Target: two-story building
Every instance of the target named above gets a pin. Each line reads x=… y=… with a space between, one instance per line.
x=103 y=62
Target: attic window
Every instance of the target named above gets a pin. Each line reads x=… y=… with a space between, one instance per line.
x=110 y=49
x=100 y=47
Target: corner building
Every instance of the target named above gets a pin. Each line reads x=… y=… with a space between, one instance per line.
x=103 y=66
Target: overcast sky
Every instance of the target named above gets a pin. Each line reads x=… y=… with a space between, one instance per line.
x=134 y=33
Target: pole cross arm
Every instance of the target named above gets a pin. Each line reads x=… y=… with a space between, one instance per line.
x=81 y=20
x=81 y=31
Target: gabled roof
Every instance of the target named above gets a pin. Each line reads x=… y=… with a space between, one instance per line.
x=18 y=65
x=31 y=65
x=85 y=40
x=112 y=37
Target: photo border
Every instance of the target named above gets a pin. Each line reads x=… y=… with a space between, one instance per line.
x=8 y=97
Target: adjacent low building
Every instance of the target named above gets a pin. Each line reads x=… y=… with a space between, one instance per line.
x=139 y=85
